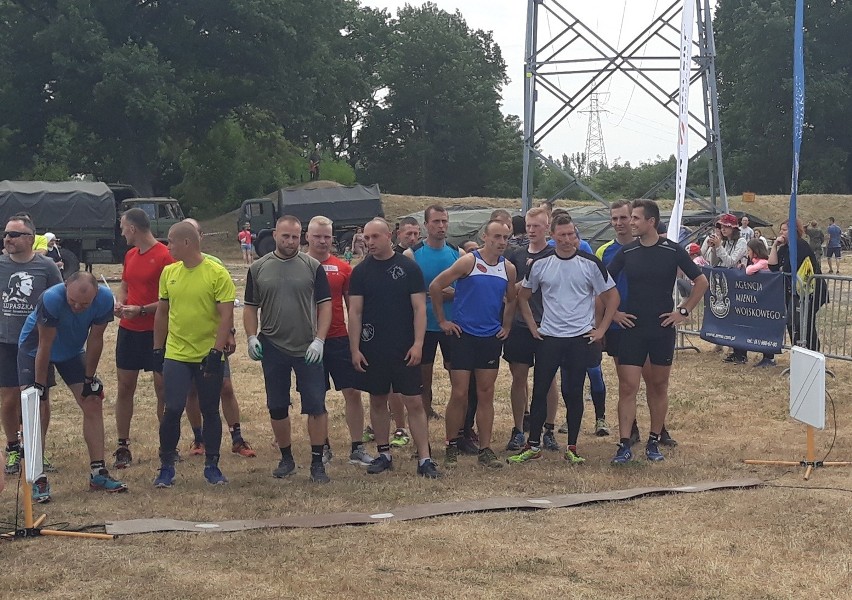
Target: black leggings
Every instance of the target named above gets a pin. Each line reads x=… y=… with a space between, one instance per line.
x=572 y=356
x=178 y=378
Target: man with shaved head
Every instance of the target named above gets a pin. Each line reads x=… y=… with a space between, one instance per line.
x=481 y=322
x=191 y=330
x=230 y=406
x=66 y=330
x=387 y=324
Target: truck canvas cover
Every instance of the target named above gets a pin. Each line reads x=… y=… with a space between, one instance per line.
x=355 y=204
x=55 y=205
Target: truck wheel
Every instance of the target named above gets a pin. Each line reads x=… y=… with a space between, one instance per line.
x=265 y=246
x=72 y=263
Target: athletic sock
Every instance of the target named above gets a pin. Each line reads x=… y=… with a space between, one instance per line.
x=13 y=446
x=196 y=431
x=453 y=442
x=211 y=460
x=384 y=449
x=123 y=442
x=549 y=427
x=355 y=446
x=515 y=431
x=236 y=434
x=625 y=442
x=316 y=454
x=653 y=437
x=97 y=466
x=423 y=461
x=286 y=452
x=534 y=444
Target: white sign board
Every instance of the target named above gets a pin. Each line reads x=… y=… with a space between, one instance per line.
x=807 y=387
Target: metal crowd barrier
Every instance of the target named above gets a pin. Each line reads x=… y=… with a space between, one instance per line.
x=831 y=321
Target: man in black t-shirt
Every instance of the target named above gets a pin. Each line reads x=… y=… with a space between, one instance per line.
x=387 y=324
x=650 y=265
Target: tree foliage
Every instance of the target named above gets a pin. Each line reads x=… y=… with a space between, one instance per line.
x=754 y=40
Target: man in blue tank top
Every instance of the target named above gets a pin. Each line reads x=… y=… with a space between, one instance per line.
x=434 y=255
x=480 y=323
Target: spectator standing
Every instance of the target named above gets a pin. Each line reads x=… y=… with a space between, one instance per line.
x=779 y=260
x=246 y=238
x=746 y=232
x=816 y=238
x=53 y=252
x=834 y=244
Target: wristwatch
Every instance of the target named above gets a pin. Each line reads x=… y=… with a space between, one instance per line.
x=683 y=311
x=142 y=311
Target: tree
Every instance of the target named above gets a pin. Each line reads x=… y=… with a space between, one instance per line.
x=754 y=40
x=433 y=132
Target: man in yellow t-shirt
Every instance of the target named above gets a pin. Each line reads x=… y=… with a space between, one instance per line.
x=191 y=329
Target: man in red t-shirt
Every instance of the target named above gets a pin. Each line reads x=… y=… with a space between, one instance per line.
x=337 y=358
x=136 y=303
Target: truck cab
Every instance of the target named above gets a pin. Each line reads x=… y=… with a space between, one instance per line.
x=262 y=215
x=163 y=213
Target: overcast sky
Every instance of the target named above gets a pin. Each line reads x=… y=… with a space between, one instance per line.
x=635 y=127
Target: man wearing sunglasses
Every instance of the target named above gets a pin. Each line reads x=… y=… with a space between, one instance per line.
x=24 y=275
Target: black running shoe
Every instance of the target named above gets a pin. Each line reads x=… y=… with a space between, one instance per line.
x=468 y=446
x=429 y=470
x=666 y=439
x=380 y=463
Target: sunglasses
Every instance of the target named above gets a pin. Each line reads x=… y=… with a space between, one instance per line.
x=15 y=234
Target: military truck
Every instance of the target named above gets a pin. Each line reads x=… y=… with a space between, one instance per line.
x=84 y=216
x=349 y=207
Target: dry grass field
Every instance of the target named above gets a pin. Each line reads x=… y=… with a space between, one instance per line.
x=768 y=543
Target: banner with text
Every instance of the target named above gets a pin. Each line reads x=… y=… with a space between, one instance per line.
x=746 y=312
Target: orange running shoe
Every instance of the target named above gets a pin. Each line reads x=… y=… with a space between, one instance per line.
x=196 y=449
x=243 y=449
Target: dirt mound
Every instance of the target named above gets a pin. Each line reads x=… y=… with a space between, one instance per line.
x=321 y=184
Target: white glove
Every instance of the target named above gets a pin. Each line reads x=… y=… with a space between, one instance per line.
x=255 y=348
x=314 y=353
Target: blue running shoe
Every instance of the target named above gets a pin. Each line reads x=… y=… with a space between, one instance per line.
x=41 y=490
x=517 y=441
x=103 y=481
x=165 y=477
x=623 y=455
x=214 y=476
x=652 y=452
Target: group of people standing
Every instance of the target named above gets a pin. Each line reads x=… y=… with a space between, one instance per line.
x=551 y=305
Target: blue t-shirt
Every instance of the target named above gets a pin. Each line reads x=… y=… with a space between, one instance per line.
x=433 y=262
x=834 y=234
x=584 y=245
x=72 y=329
x=606 y=253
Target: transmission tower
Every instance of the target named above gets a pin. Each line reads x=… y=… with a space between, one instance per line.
x=595 y=150
x=565 y=51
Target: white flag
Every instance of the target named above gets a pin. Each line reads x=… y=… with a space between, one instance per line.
x=686 y=27
x=31 y=421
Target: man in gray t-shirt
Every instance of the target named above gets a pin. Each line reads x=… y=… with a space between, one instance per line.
x=24 y=275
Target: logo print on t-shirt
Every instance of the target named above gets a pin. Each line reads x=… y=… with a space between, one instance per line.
x=481 y=267
x=396 y=272
x=367 y=332
x=17 y=297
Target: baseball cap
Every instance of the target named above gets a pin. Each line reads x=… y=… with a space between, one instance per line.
x=729 y=220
